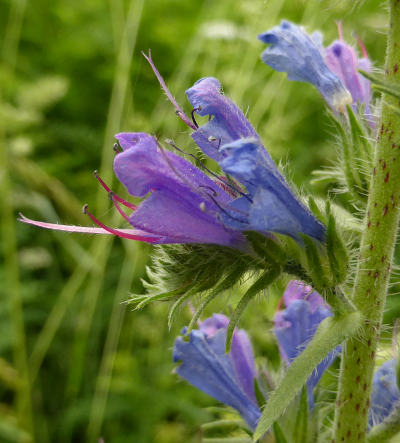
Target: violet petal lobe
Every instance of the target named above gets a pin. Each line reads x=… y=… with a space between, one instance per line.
x=205 y=365
x=292 y=51
x=179 y=207
x=385 y=393
x=227 y=122
x=272 y=205
x=343 y=61
x=241 y=353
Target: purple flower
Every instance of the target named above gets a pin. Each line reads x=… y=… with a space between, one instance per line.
x=269 y=205
x=293 y=51
x=296 y=325
x=343 y=60
x=184 y=205
x=229 y=378
x=385 y=393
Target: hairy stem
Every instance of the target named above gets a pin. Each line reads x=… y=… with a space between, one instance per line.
x=376 y=254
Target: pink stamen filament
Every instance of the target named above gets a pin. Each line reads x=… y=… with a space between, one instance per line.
x=362 y=46
x=117 y=232
x=117 y=206
x=163 y=85
x=117 y=197
x=340 y=29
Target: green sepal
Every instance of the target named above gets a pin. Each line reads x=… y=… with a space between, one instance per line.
x=223 y=425
x=226 y=282
x=278 y=433
x=382 y=85
x=336 y=250
x=315 y=267
x=259 y=394
x=362 y=147
x=269 y=249
x=330 y=333
x=315 y=210
x=301 y=426
x=260 y=284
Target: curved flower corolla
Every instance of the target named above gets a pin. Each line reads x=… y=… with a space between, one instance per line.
x=343 y=61
x=293 y=51
x=385 y=393
x=229 y=378
x=269 y=204
x=181 y=203
x=179 y=207
x=296 y=325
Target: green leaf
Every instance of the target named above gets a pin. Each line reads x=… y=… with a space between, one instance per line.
x=301 y=426
x=265 y=280
x=330 y=334
x=259 y=394
x=278 y=433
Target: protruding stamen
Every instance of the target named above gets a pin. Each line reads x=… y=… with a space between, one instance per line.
x=225 y=211
x=116 y=148
x=117 y=197
x=362 y=46
x=192 y=114
x=340 y=29
x=215 y=193
x=179 y=110
x=225 y=183
x=113 y=198
x=117 y=232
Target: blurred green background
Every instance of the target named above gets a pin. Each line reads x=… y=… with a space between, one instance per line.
x=76 y=362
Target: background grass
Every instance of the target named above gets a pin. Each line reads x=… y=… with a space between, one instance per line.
x=77 y=364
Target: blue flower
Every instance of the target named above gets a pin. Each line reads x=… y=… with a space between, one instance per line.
x=269 y=205
x=291 y=50
x=181 y=203
x=385 y=393
x=296 y=325
x=229 y=378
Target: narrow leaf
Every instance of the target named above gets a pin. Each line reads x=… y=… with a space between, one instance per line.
x=265 y=280
x=301 y=426
x=337 y=252
x=330 y=334
x=314 y=264
x=278 y=433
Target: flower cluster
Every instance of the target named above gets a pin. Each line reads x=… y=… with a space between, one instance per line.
x=332 y=70
x=229 y=378
x=183 y=203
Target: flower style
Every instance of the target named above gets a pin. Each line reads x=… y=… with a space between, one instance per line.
x=385 y=393
x=185 y=205
x=334 y=70
x=296 y=325
x=228 y=378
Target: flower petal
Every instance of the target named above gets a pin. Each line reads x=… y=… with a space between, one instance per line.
x=385 y=392
x=274 y=206
x=291 y=50
x=179 y=216
x=228 y=122
x=206 y=366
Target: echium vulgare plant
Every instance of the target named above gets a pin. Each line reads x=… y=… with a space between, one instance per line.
x=216 y=226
